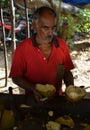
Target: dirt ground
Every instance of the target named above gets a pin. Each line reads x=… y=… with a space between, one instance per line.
x=81 y=60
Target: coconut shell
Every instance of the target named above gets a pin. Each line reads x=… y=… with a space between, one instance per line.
x=74 y=93
x=46 y=90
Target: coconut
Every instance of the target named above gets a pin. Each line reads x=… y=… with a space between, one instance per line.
x=74 y=93
x=47 y=90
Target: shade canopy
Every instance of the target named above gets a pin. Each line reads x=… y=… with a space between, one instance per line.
x=77 y=2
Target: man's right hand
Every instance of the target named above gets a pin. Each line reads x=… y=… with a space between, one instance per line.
x=37 y=95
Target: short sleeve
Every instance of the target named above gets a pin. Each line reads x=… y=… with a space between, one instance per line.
x=18 y=63
x=67 y=59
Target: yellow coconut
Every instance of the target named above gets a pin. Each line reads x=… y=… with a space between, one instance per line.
x=65 y=120
x=46 y=90
x=74 y=93
x=7 y=120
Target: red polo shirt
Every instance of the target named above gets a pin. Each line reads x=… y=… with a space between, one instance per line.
x=29 y=62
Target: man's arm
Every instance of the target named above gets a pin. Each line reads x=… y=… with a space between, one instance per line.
x=68 y=78
x=25 y=84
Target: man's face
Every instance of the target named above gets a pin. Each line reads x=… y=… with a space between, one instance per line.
x=45 y=28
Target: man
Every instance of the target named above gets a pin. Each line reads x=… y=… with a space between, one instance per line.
x=38 y=60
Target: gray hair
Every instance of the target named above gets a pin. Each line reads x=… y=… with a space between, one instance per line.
x=39 y=12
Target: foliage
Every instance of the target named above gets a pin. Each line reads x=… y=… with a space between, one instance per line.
x=71 y=25
x=78 y=23
x=4 y=3
x=83 y=24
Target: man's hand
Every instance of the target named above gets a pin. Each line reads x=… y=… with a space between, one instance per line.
x=37 y=95
x=23 y=83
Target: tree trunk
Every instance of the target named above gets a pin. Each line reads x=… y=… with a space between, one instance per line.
x=4 y=47
x=13 y=47
x=27 y=19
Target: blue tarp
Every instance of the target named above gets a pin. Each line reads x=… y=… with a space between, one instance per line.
x=77 y=2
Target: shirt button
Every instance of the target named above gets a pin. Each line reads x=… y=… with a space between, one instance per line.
x=44 y=58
